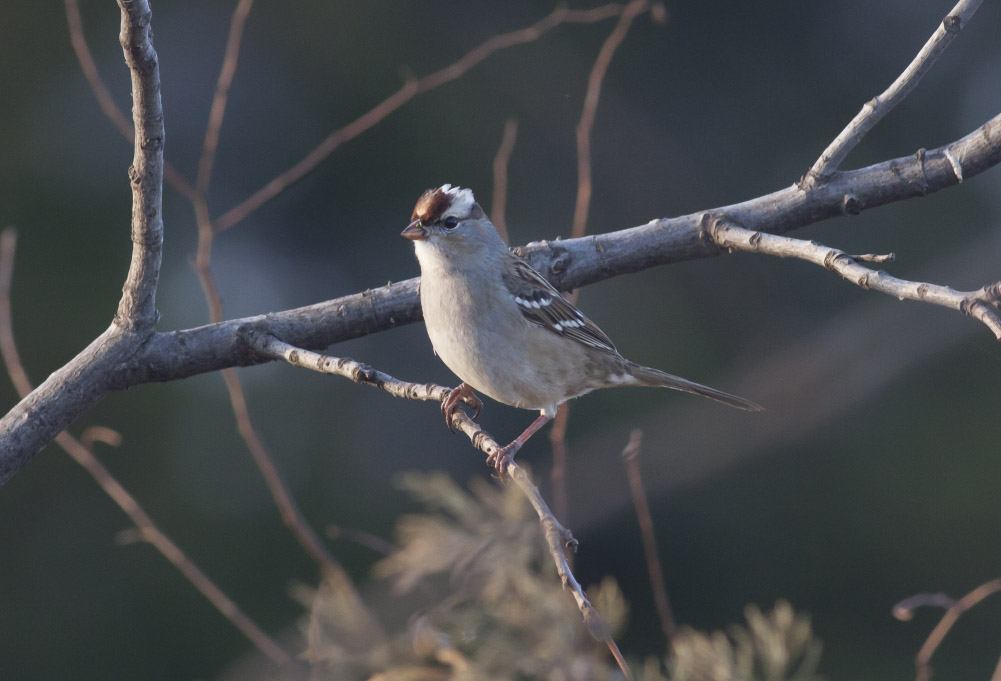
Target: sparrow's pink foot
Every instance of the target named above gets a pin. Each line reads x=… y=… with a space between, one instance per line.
x=458 y=395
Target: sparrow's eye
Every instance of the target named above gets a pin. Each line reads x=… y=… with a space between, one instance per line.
x=450 y=222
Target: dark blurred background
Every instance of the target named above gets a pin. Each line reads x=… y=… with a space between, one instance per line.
x=873 y=475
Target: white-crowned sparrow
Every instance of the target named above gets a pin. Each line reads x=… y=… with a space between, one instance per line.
x=504 y=330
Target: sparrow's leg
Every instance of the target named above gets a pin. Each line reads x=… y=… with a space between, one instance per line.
x=503 y=458
x=463 y=393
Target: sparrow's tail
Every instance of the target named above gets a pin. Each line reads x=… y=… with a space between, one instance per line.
x=657 y=378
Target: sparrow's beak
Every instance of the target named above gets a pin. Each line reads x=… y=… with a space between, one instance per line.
x=415 y=231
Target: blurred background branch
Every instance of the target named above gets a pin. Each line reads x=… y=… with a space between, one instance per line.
x=779 y=370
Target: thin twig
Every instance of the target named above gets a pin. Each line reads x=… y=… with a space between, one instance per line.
x=922 y=661
x=104 y=99
x=879 y=106
x=630 y=455
x=367 y=539
x=588 y=111
x=996 y=676
x=558 y=473
x=220 y=98
x=981 y=304
x=288 y=509
x=499 y=207
x=557 y=536
x=84 y=456
x=410 y=89
x=582 y=204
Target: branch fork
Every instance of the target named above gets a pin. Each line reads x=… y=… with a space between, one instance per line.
x=984 y=304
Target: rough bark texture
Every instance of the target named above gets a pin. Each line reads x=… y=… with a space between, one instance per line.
x=122 y=357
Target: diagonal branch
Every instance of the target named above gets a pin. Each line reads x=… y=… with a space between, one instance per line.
x=104 y=98
x=954 y=609
x=879 y=106
x=408 y=91
x=558 y=538
x=981 y=304
x=590 y=108
x=221 y=96
x=137 y=309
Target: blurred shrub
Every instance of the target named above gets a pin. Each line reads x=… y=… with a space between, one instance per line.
x=485 y=603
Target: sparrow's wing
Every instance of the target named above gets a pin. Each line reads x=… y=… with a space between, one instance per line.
x=543 y=305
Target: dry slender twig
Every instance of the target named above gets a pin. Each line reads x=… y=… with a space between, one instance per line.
x=557 y=536
x=881 y=105
x=499 y=206
x=588 y=111
x=104 y=99
x=922 y=661
x=288 y=509
x=558 y=473
x=367 y=539
x=559 y=539
x=582 y=204
x=219 y=100
x=410 y=89
x=84 y=455
x=981 y=304
x=630 y=455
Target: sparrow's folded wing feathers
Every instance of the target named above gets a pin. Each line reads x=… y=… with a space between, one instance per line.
x=542 y=304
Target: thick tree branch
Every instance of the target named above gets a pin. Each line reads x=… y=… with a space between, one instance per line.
x=577 y=262
x=111 y=364
x=981 y=304
x=137 y=309
x=879 y=106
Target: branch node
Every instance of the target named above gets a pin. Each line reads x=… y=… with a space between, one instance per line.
x=850 y=204
x=709 y=226
x=957 y=167
x=831 y=257
x=952 y=23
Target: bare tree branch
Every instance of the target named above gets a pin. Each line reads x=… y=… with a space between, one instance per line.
x=882 y=104
x=644 y=519
x=582 y=208
x=221 y=96
x=498 y=207
x=137 y=309
x=954 y=609
x=590 y=108
x=110 y=364
x=981 y=304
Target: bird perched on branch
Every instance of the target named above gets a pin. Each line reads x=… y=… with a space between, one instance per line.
x=504 y=330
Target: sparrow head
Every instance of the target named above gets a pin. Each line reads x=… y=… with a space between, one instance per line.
x=441 y=211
